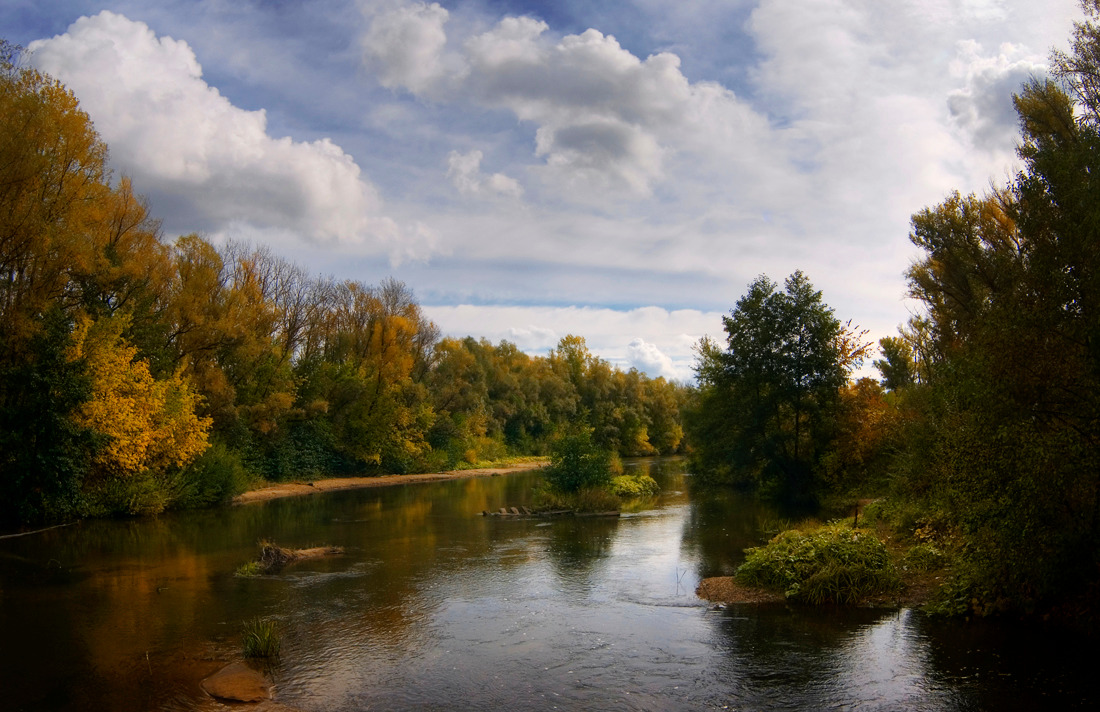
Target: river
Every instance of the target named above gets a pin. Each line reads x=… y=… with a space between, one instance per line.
x=434 y=607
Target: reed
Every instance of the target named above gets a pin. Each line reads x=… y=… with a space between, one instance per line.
x=260 y=638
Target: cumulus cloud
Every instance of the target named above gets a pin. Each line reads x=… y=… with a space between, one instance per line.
x=605 y=120
x=464 y=170
x=983 y=107
x=213 y=162
x=646 y=357
x=405 y=45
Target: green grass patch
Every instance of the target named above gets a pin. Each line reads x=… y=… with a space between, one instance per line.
x=831 y=564
x=585 y=500
x=260 y=638
x=923 y=558
x=252 y=569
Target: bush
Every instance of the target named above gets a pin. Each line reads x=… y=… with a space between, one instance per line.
x=576 y=462
x=923 y=557
x=634 y=486
x=212 y=478
x=833 y=564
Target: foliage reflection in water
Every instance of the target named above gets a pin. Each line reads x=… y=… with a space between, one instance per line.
x=435 y=607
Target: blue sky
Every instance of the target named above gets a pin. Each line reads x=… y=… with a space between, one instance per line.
x=618 y=170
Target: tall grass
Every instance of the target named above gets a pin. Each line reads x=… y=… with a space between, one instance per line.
x=260 y=638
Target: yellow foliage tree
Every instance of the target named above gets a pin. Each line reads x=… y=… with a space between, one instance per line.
x=151 y=425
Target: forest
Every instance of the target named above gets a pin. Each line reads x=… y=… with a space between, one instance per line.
x=981 y=441
x=139 y=374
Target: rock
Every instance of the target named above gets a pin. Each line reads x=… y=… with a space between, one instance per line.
x=237 y=682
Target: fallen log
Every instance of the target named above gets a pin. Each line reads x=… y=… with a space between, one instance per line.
x=274 y=557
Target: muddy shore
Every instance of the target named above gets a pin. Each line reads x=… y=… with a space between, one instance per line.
x=299 y=489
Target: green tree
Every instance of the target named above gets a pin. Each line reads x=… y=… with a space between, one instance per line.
x=896 y=365
x=44 y=453
x=766 y=407
x=577 y=462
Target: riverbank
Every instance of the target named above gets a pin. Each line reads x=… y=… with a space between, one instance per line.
x=335 y=484
x=917 y=590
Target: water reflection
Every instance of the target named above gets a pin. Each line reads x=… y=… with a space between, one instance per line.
x=436 y=607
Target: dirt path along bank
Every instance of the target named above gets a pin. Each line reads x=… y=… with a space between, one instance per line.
x=299 y=489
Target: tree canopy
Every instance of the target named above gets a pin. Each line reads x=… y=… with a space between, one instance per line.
x=766 y=411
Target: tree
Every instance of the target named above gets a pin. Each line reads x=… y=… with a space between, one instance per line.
x=1006 y=431
x=44 y=454
x=150 y=426
x=767 y=401
x=896 y=365
x=577 y=462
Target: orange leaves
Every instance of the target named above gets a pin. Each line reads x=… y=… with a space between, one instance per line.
x=852 y=347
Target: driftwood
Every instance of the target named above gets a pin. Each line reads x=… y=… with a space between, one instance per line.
x=274 y=557
x=514 y=512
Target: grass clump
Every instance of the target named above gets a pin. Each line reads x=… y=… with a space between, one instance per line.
x=588 y=499
x=260 y=638
x=831 y=564
x=251 y=569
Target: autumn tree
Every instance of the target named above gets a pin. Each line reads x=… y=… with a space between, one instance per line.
x=148 y=428
x=52 y=176
x=1006 y=426
x=78 y=256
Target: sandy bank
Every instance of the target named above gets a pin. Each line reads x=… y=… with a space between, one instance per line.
x=298 y=489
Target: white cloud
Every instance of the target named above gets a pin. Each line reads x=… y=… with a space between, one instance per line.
x=464 y=170
x=983 y=107
x=405 y=46
x=606 y=121
x=179 y=137
x=646 y=357
x=658 y=341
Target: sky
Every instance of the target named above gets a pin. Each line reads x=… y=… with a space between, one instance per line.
x=619 y=170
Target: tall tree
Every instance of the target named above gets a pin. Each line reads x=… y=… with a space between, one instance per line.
x=768 y=399
x=1007 y=434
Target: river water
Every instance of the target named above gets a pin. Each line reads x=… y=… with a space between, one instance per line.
x=433 y=607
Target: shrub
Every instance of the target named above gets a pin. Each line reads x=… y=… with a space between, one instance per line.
x=261 y=638
x=634 y=486
x=833 y=564
x=576 y=462
x=214 y=477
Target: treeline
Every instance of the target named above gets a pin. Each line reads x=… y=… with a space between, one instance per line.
x=984 y=433
x=139 y=374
